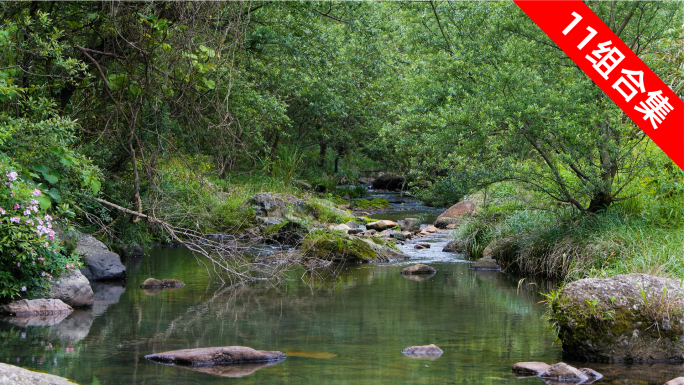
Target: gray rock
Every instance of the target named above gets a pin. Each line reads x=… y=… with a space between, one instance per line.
x=343 y=228
x=418 y=269
x=14 y=375
x=73 y=288
x=564 y=373
x=270 y=221
x=531 y=368
x=355 y=231
x=410 y=224
x=422 y=351
x=421 y=246
x=447 y=223
x=353 y=225
x=152 y=282
x=36 y=307
x=485 y=264
x=227 y=355
x=632 y=318
x=455 y=246
x=389 y=181
x=274 y=204
x=106 y=294
x=676 y=381
x=100 y=263
x=592 y=374
x=398 y=235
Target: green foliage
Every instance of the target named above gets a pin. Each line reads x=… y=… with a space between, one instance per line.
x=335 y=246
x=30 y=254
x=326 y=212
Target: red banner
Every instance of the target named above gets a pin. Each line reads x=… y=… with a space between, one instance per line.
x=615 y=68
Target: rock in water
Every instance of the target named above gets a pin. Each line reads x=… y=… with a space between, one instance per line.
x=36 y=307
x=100 y=263
x=676 y=381
x=420 y=246
x=10 y=374
x=485 y=264
x=152 y=282
x=73 y=288
x=422 y=351
x=564 y=373
x=381 y=225
x=532 y=368
x=226 y=355
x=389 y=181
x=592 y=374
x=455 y=246
x=170 y=282
x=633 y=318
x=418 y=269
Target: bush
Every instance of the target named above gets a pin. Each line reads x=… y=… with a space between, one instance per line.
x=29 y=251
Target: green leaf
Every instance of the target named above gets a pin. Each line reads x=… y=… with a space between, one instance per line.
x=55 y=195
x=52 y=177
x=44 y=201
x=95 y=185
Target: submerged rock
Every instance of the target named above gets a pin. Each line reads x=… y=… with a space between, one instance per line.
x=226 y=355
x=418 y=269
x=10 y=374
x=531 y=368
x=455 y=246
x=73 y=288
x=152 y=282
x=485 y=263
x=632 y=318
x=170 y=282
x=422 y=351
x=36 y=307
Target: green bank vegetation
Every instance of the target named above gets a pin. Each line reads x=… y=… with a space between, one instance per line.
x=181 y=111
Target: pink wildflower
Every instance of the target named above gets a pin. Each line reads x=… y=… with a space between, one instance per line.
x=36 y=192
x=27 y=212
x=18 y=264
x=34 y=202
x=42 y=273
x=41 y=259
x=12 y=175
x=23 y=288
x=16 y=206
x=2 y=211
x=15 y=219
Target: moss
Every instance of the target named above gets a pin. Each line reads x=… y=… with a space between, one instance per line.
x=337 y=246
x=325 y=211
x=288 y=232
x=375 y=203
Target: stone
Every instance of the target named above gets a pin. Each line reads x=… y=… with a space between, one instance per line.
x=339 y=247
x=343 y=228
x=532 y=368
x=564 y=373
x=381 y=225
x=389 y=181
x=461 y=209
x=288 y=232
x=407 y=234
x=455 y=246
x=422 y=351
x=274 y=204
x=72 y=288
x=410 y=224
x=100 y=263
x=366 y=181
x=448 y=223
x=644 y=322
x=431 y=229
x=421 y=246
x=353 y=225
x=418 y=269
x=226 y=355
x=592 y=374
x=676 y=381
x=14 y=375
x=355 y=231
x=398 y=235
x=36 y=307
x=368 y=233
x=485 y=263
x=170 y=282
x=152 y=282
x=302 y=185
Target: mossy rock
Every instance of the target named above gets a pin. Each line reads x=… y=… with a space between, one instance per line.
x=288 y=232
x=340 y=247
x=631 y=318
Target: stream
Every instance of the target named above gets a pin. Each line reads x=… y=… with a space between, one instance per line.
x=349 y=329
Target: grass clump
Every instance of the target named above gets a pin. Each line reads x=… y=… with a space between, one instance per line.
x=375 y=203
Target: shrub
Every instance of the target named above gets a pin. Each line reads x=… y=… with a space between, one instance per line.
x=30 y=254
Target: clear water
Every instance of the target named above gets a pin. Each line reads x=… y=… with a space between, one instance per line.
x=347 y=330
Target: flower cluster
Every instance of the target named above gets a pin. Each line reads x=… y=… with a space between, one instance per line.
x=31 y=254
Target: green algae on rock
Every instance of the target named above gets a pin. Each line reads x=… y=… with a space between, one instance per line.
x=631 y=318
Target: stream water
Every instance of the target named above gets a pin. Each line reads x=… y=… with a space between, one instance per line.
x=344 y=330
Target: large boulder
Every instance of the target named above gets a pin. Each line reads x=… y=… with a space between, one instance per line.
x=100 y=263
x=531 y=368
x=36 y=307
x=339 y=247
x=288 y=232
x=455 y=246
x=389 y=181
x=410 y=224
x=274 y=204
x=453 y=214
x=633 y=318
x=485 y=263
x=381 y=225
x=10 y=374
x=73 y=288
x=226 y=355
x=418 y=269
